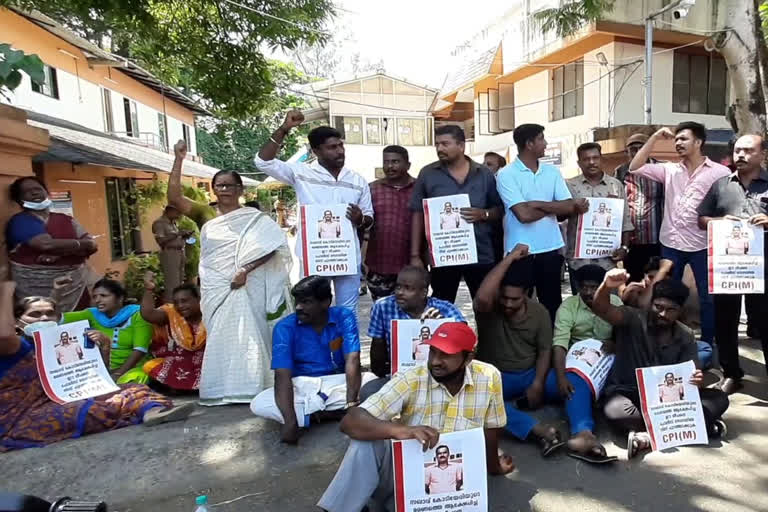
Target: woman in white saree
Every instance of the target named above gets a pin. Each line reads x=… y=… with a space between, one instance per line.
x=245 y=289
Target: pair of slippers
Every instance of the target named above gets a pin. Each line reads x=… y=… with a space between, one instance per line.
x=596 y=455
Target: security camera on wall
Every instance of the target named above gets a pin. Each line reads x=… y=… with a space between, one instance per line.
x=682 y=10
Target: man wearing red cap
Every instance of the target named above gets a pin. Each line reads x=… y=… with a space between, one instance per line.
x=452 y=393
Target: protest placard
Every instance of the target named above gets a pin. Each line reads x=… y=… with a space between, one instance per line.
x=328 y=242
x=671 y=406
x=587 y=359
x=451 y=476
x=408 y=343
x=68 y=369
x=599 y=230
x=451 y=239
x=736 y=257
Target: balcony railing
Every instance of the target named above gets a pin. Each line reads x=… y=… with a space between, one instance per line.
x=146 y=139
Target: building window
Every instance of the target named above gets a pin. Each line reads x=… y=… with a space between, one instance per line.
x=699 y=84
x=131 y=118
x=162 y=130
x=106 y=103
x=123 y=220
x=351 y=128
x=50 y=87
x=373 y=130
x=568 y=90
x=411 y=132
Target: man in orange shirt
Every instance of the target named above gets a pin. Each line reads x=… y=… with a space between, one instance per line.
x=445 y=476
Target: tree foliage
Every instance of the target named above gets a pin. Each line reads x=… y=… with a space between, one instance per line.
x=12 y=63
x=232 y=143
x=211 y=49
x=571 y=16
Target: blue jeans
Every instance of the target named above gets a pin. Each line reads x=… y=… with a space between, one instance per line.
x=705 y=354
x=698 y=262
x=578 y=408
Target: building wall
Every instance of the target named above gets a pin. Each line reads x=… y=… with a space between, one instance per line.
x=532 y=104
x=365 y=159
x=89 y=196
x=80 y=85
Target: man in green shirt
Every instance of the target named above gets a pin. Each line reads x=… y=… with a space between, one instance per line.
x=515 y=335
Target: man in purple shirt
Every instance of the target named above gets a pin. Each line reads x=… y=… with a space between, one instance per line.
x=685 y=185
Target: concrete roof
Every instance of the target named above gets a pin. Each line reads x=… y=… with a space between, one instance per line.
x=71 y=142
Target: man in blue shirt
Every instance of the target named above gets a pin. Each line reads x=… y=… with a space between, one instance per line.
x=316 y=341
x=410 y=301
x=535 y=195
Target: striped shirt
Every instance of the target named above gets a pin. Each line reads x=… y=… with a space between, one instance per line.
x=314 y=184
x=645 y=199
x=683 y=193
x=418 y=399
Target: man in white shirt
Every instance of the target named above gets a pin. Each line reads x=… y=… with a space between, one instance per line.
x=327 y=227
x=325 y=181
x=671 y=391
x=68 y=351
x=449 y=219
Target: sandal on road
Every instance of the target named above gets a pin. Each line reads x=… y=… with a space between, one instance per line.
x=156 y=415
x=596 y=455
x=636 y=442
x=550 y=444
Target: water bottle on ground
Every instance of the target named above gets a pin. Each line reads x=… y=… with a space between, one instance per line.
x=202 y=504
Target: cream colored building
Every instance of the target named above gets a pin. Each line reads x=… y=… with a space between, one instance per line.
x=372 y=112
x=586 y=87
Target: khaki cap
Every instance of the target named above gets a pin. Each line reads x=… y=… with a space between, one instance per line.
x=637 y=138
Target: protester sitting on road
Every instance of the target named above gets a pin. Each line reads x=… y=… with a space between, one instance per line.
x=516 y=337
x=638 y=295
x=410 y=301
x=452 y=393
x=178 y=343
x=576 y=321
x=317 y=341
x=649 y=338
x=121 y=325
x=44 y=245
x=28 y=417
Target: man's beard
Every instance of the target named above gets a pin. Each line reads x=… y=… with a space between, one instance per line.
x=449 y=376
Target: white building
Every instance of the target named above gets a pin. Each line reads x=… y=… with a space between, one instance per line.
x=372 y=112
x=589 y=86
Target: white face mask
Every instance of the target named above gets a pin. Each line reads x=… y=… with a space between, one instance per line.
x=42 y=205
x=31 y=329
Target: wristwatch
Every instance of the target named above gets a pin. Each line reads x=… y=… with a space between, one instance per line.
x=487 y=214
x=352 y=404
x=626 y=249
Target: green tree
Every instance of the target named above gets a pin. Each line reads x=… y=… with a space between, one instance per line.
x=211 y=49
x=232 y=143
x=737 y=35
x=12 y=63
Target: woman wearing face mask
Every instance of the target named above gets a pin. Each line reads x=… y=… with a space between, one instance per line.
x=119 y=326
x=244 y=286
x=44 y=246
x=28 y=418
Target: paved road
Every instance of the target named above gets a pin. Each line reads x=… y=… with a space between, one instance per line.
x=227 y=453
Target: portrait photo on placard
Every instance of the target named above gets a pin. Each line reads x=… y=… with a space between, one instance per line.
x=444 y=468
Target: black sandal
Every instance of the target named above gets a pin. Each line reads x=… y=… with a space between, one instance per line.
x=593 y=456
x=548 y=446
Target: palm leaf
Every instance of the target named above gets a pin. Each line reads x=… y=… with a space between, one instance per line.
x=569 y=18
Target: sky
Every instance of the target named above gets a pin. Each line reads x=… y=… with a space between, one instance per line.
x=414 y=37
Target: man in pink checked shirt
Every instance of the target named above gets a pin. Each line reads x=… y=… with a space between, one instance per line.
x=685 y=185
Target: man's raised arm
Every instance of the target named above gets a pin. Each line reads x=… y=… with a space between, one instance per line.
x=601 y=304
x=266 y=160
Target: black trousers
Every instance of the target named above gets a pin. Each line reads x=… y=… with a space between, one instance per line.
x=727 y=315
x=446 y=280
x=544 y=270
x=622 y=409
x=638 y=257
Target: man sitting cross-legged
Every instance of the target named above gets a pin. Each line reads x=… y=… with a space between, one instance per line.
x=452 y=393
x=410 y=301
x=576 y=321
x=516 y=336
x=646 y=338
x=316 y=359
